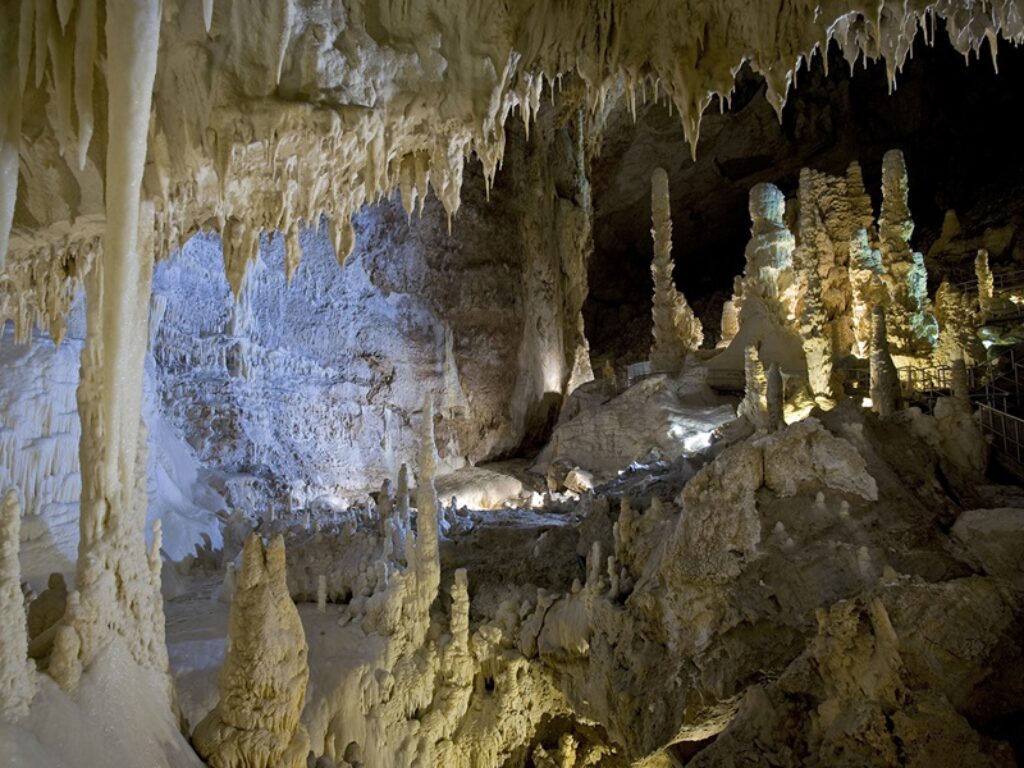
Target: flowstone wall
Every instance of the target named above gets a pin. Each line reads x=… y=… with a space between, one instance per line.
x=311 y=390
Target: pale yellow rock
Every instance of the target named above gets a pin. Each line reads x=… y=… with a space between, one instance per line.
x=677 y=331
x=263 y=681
x=17 y=672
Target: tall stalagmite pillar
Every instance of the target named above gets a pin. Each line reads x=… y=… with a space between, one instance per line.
x=885 y=383
x=677 y=331
x=115 y=584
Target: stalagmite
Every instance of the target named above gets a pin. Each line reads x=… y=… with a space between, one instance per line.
x=754 y=406
x=958 y=326
x=263 y=681
x=986 y=284
x=815 y=334
x=677 y=331
x=885 y=383
x=961 y=382
x=905 y=275
x=859 y=202
x=730 y=323
x=428 y=564
x=775 y=398
x=867 y=287
x=17 y=673
x=769 y=254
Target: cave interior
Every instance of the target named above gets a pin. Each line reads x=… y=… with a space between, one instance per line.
x=452 y=383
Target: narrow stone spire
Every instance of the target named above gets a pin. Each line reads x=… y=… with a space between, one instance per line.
x=885 y=384
x=676 y=330
x=986 y=284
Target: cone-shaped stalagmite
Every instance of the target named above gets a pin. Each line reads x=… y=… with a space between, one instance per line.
x=677 y=330
x=263 y=681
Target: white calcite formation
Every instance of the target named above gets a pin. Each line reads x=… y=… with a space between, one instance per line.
x=912 y=326
x=958 y=319
x=677 y=331
x=754 y=407
x=765 y=590
x=763 y=310
x=265 y=673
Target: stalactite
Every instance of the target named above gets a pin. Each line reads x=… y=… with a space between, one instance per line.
x=10 y=121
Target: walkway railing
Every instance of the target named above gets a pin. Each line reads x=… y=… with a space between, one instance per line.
x=1006 y=431
x=1002 y=280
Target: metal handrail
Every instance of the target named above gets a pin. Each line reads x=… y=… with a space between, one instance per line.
x=1001 y=280
x=1005 y=429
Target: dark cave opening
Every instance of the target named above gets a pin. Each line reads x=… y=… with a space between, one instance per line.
x=953 y=121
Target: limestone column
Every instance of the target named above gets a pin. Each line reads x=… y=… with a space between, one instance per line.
x=885 y=384
x=676 y=330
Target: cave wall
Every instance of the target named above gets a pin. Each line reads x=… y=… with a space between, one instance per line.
x=39 y=452
x=312 y=389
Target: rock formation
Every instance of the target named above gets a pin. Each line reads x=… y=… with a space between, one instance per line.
x=677 y=331
x=868 y=290
x=775 y=398
x=265 y=673
x=913 y=327
x=788 y=596
x=958 y=323
x=17 y=673
x=885 y=383
x=986 y=284
x=754 y=407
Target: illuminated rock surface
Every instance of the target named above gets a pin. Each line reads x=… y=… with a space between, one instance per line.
x=282 y=322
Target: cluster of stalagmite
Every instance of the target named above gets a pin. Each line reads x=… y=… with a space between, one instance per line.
x=810 y=301
x=677 y=331
x=265 y=120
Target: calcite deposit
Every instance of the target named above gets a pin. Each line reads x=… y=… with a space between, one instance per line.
x=303 y=460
